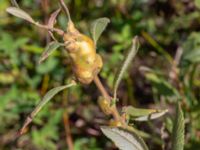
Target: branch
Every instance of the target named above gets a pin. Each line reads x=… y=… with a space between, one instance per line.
x=114 y=111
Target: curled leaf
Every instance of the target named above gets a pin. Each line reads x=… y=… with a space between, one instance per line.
x=50 y=48
x=151 y=116
x=124 y=139
x=52 y=21
x=98 y=26
x=131 y=54
x=20 y=14
x=52 y=18
x=140 y=114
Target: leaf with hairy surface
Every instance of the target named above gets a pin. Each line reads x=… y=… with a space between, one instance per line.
x=131 y=54
x=123 y=139
x=50 y=48
x=20 y=14
x=98 y=26
x=178 y=130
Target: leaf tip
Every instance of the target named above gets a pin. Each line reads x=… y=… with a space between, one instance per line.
x=8 y=9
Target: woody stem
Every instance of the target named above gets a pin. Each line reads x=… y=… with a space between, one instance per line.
x=105 y=94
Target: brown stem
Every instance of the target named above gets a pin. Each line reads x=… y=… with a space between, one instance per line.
x=101 y=88
x=66 y=10
x=114 y=111
x=66 y=122
x=68 y=131
x=26 y=123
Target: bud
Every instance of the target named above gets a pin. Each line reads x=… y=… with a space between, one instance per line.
x=104 y=105
x=114 y=123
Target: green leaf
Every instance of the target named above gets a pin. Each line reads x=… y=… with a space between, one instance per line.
x=124 y=67
x=98 y=26
x=191 y=50
x=178 y=130
x=162 y=86
x=20 y=14
x=197 y=3
x=50 y=94
x=155 y=115
x=123 y=139
x=143 y=114
x=193 y=56
x=48 y=66
x=50 y=48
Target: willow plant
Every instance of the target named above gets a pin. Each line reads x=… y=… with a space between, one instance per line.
x=86 y=65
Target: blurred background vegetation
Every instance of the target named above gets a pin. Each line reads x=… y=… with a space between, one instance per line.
x=165 y=70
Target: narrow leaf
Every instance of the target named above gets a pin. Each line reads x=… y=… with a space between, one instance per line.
x=20 y=13
x=50 y=48
x=123 y=139
x=98 y=26
x=52 y=18
x=137 y=112
x=178 y=130
x=124 y=67
x=155 y=115
x=49 y=95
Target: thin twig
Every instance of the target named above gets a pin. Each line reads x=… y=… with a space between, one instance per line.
x=66 y=122
x=66 y=10
x=58 y=31
x=69 y=140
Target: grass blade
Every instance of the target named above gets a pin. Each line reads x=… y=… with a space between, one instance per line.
x=178 y=130
x=153 y=43
x=124 y=67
